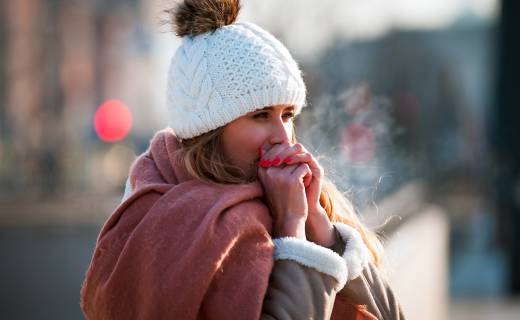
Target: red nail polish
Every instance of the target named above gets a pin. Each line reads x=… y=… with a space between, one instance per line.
x=276 y=161
x=287 y=160
x=264 y=163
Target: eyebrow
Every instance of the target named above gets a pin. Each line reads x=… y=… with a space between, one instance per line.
x=271 y=108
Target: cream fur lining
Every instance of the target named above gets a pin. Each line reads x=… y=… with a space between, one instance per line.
x=128 y=190
x=356 y=253
x=313 y=256
x=350 y=266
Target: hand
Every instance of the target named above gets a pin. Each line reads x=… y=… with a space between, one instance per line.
x=318 y=226
x=285 y=195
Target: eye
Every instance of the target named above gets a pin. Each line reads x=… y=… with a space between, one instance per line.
x=261 y=115
x=289 y=115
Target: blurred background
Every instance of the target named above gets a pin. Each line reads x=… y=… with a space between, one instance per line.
x=413 y=109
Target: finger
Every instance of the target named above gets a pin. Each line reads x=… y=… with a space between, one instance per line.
x=276 y=156
x=302 y=173
x=316 y=168
x=264 y=148
x=308 y=158
x=271 y=157
x=298 y=158
x=307 y=180
x=289 y=152
x=289 y=168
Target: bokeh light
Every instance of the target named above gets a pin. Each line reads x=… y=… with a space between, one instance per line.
x=358 y=143
x=112 y=121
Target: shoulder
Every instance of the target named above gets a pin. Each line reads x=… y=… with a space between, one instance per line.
x=235 y=206
x=249 y=211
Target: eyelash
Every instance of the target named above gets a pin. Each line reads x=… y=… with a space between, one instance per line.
x=289 y=115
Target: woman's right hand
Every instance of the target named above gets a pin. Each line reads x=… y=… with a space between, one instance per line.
x=285 y=194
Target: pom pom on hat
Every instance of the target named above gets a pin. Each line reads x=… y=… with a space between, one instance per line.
x=194 y=17
x=225 y=69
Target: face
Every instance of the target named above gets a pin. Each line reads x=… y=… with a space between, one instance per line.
x=265 y=127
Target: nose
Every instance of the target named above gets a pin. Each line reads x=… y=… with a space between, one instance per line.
x=281 y=132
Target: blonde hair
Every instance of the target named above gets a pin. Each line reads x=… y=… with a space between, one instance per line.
x=205 y=160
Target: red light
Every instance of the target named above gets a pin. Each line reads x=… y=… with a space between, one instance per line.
x=112 y=121
x=358 y=143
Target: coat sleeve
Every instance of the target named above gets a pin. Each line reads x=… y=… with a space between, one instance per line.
x=372 y=290
x=303 y=282
x=369 y=288
x=298 y=292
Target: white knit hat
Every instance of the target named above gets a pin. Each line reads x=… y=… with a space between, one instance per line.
x=217 y=76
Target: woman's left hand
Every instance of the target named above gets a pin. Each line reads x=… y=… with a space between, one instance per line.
x=318 y=227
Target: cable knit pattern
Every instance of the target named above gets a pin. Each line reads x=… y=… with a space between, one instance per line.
x=217 y=77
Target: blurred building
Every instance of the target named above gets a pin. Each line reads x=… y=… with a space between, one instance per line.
x=398 y=92
x=60 y=61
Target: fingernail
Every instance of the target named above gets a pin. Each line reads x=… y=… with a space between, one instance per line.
x=264 y=163
x=276 y=161
x=287 y=160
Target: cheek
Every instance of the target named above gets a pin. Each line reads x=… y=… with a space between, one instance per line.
x=242 y=144
x=248 y=144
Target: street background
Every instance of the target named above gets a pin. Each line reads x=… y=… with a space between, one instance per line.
x=400 y=92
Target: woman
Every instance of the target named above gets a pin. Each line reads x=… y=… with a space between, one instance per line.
x=226 y=216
